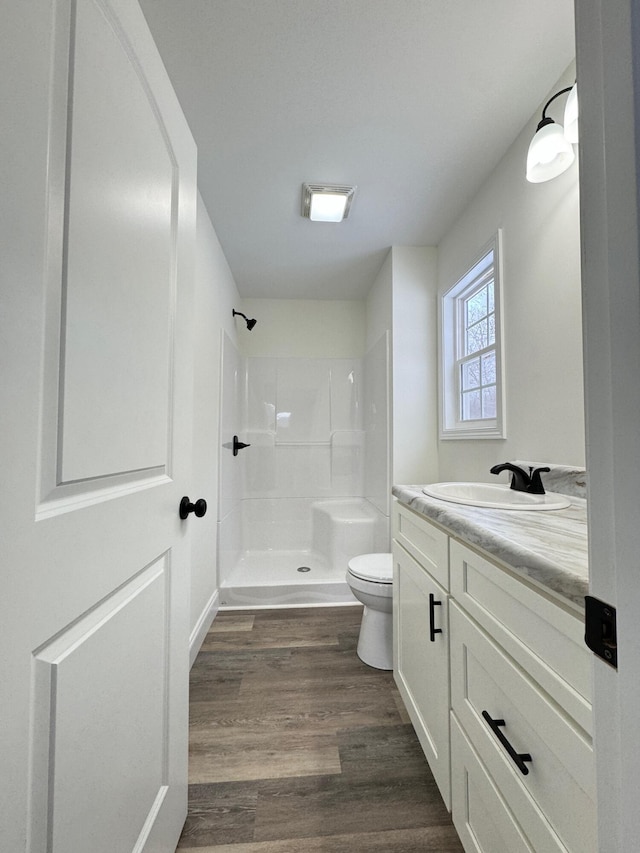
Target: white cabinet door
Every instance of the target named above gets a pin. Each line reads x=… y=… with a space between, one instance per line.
x=421 y=665
x=98 y=219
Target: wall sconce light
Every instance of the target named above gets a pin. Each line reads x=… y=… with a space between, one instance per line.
x=551 y=150
x=326 y=202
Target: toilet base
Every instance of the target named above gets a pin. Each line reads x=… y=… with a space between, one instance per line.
x=375 y=643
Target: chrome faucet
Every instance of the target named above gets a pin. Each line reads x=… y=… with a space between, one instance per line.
x=520 y=480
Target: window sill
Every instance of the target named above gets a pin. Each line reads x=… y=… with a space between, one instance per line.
x=472 y=433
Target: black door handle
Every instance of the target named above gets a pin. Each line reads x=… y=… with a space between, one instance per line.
x=432 y=629
x=238 y=445
x=518 y=758
x=199 y=508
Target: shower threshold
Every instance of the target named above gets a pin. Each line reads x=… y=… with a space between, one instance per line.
x=273 y=579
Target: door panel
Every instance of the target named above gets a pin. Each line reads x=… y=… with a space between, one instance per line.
x=93 y=715
x=118 y=276
x=97 y=239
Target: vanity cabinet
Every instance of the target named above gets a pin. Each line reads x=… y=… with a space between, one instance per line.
x=517 y=684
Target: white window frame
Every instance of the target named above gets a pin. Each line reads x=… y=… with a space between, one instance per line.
x=451 y=335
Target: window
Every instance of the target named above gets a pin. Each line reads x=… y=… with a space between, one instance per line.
x=470 y=335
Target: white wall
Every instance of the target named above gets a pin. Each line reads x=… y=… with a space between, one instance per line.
x=378 y=388
x=403 y=301
x=542 y=310
x=215 y=296
x=377 y=426
x=379 y=306
x=414 y=346
x=303 y=328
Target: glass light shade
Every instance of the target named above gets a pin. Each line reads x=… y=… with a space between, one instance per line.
x=327 y=207
x=571 y=116
x=549 y=154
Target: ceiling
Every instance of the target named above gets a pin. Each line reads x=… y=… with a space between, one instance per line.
x=414 y=101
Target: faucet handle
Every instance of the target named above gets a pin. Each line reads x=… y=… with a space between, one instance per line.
x=536 y=487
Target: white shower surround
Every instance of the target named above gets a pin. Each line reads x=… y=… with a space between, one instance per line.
x=312 y=490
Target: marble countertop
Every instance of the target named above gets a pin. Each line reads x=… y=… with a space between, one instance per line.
x=549 y=547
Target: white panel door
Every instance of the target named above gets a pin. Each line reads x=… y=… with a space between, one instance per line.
x=97 y=236
x=608 y=62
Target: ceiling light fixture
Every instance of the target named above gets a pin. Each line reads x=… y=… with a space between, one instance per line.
x=326 y=202
x=551 y=151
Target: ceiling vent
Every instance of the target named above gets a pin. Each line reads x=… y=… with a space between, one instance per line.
x=326 y=202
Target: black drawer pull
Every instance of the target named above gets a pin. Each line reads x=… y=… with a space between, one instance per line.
x=518 y=758
x=432 y=605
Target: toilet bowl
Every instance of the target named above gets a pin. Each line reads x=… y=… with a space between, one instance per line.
x=370 y=577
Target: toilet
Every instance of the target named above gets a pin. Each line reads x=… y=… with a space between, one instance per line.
x=370 y=577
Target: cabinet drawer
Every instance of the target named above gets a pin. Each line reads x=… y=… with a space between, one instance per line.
x=543 y=637
x=554 y=801
x=427 y=543
x=481 y=817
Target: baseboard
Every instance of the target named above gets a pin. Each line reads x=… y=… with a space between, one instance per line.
x=202 y=626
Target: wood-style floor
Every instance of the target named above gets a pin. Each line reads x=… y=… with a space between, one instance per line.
x=296 y=746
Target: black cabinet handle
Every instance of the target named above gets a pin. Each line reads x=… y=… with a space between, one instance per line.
x=199 y=508
x=518 y=758
x=432 y=606
x=238 y=445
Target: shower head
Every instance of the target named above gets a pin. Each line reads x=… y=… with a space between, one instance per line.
x=250 y=323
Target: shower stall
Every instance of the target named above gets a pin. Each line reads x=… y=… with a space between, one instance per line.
x=311 y=488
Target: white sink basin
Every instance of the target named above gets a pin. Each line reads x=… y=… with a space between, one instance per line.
x=494 y=495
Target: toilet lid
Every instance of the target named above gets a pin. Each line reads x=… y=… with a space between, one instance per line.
x=372 y=567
